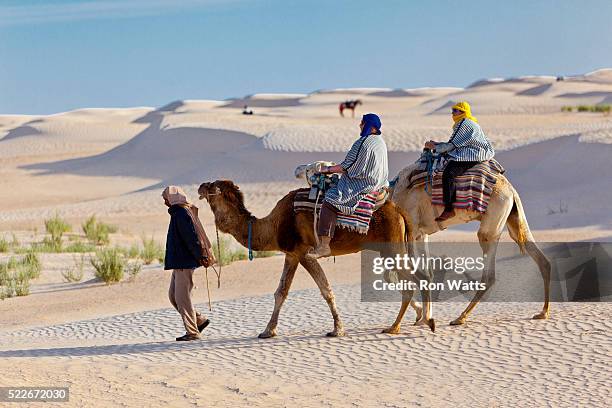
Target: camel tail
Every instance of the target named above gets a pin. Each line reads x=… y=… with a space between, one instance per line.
x=517 y=223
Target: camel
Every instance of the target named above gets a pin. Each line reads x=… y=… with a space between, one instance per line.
x=504 y=209
x=292 y=233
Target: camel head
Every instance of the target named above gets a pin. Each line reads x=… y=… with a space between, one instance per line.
x=223 y=196
x=305 y=171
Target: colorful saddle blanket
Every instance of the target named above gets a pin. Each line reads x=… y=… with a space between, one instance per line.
x=359 y=221
x=473 y=187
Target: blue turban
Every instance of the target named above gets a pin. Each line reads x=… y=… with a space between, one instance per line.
x=370 y=120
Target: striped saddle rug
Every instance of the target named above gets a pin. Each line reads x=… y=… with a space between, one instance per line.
x=473 y=187
x=359 y=221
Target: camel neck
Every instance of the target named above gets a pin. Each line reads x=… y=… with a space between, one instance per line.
x=237 y=225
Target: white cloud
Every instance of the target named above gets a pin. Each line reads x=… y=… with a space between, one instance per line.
x=96 y=9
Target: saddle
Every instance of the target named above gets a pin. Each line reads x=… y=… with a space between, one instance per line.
x=474 y=187
x=311 y=200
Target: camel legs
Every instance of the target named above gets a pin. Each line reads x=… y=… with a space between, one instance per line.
x=317 y=273
x=489 y=249
x=291 y=264
x=421 y=246
x=489 y=232
x=406 y=300
x=540 y=259
x=423 y=314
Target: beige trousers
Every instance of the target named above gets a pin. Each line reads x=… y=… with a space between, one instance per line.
x=179 y=293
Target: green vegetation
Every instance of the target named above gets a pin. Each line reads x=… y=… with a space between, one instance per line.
x=151 y=250
x=75 y=274
x=97 y=232
x=4 y=245
x=109 y=264
x=56 y=227
x=15 y=275
x=31 y=263
x=226 y=254
x=264 y=254
x=600 y=108
x=21 y=279
x=133 y=269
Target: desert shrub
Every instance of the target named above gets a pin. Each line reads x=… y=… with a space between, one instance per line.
x=75 y=273
x=151 y=250
x=5 y=275
x=4 y=245
x=5 y=270
x=601 y=108
x=226 y=254
x=97 y=232
x=109 y=264
x=15 y=242
x=133 y=251
x=31 y=265
x=7 y=290
x=79 y=247
x=567 y=108
x=48 y=246
x=133 y=269
x=56 y=227
x=21 y=279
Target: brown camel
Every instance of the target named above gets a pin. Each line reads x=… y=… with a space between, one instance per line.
x=292 y=233
x=504 y=209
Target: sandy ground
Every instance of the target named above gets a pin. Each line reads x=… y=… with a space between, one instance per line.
x=113 y=345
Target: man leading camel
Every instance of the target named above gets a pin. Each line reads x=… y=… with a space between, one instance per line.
x=364 y=170
x=467 y=147
x=187 y=248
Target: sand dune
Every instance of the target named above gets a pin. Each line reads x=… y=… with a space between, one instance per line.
x=114 y=343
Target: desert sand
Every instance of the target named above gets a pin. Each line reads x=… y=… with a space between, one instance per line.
x=113 y=345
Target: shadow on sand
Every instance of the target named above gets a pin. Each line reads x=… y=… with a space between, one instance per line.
x=239 y=343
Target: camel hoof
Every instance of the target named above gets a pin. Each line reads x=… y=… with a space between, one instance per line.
x=392 y=330
x=336 y=333
x=432 y=325
x=541 y=316
x=419 y=316
x=267 y=334
x=458 y=321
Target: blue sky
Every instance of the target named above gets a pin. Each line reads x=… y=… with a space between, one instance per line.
x=61 y=55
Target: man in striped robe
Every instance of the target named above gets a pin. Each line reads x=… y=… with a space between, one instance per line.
x=364 y=170
x=467 y=146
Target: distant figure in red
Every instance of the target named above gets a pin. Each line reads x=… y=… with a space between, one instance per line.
x=349 y=105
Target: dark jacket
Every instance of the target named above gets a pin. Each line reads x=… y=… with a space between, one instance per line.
x=183 y=249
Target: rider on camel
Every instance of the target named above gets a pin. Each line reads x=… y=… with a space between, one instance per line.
x=364 y=170
x=467 y=147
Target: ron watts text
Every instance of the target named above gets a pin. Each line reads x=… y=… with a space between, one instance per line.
x=450 y=284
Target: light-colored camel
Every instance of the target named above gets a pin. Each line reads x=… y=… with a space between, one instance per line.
x=504 y=209
x=292 y=233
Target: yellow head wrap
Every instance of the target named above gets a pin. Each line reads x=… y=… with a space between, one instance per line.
x=467 y=112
